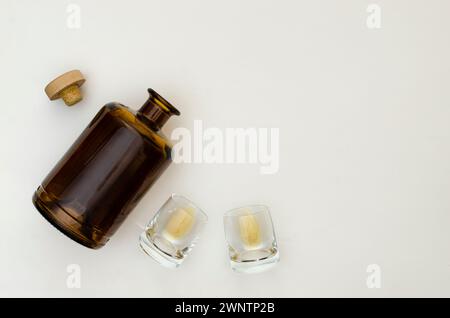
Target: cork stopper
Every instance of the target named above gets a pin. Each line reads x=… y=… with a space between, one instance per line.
x=67 y=87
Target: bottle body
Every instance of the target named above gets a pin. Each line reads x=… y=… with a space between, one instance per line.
x=100 y=179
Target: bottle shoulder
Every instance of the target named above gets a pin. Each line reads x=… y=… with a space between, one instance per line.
x=128 y=116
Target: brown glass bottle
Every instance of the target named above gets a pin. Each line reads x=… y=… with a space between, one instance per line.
x=100 y=179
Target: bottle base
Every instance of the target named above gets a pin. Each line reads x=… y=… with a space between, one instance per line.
x=62 y=221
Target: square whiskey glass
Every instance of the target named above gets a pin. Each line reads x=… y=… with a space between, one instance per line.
x=173 y=231
x=251 y=239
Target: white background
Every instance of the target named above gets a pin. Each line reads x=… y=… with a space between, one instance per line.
x=363 y=115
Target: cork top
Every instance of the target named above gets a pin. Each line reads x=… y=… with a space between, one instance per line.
x=66 y=86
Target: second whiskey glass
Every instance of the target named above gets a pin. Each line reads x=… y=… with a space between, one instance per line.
x=251 y=239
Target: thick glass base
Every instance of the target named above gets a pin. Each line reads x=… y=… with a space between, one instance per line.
x=65 y=223
x=157 y=253
x=255 y=266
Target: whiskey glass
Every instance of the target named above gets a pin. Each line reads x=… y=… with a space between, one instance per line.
x=251 y=239
x=173 y=231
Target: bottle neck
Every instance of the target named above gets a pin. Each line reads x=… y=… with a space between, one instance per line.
x=156 y=110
